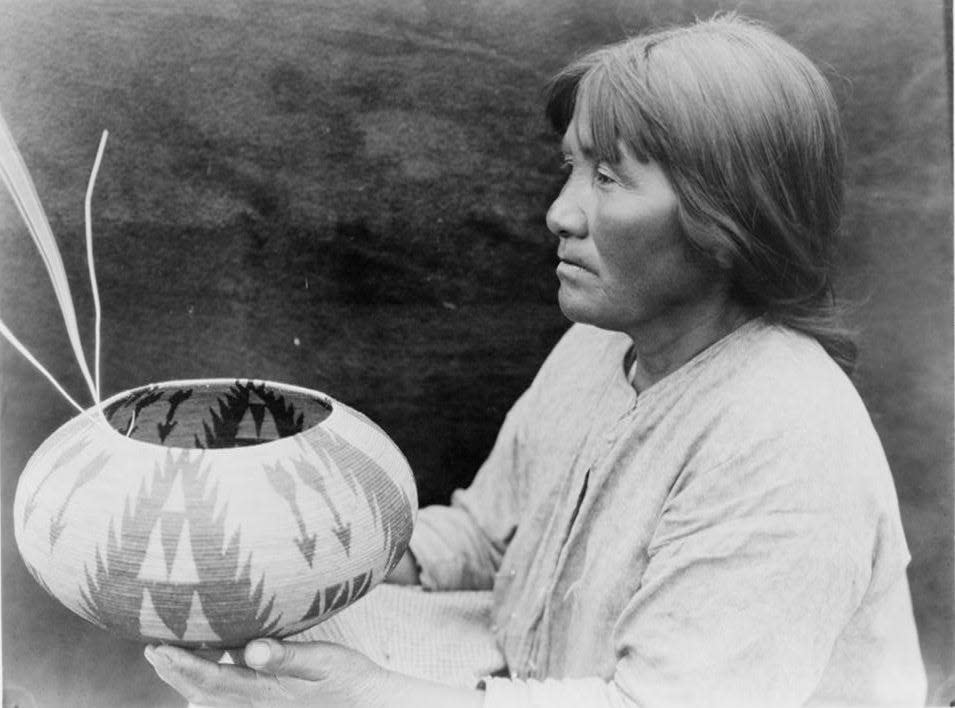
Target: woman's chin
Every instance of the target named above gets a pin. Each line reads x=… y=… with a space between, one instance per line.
x=584 y=310
x=573 y=308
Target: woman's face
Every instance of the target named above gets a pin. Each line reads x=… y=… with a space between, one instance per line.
x=624 y=262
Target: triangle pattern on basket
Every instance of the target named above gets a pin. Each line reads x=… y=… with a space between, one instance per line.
x=173 y=604
x=197 y=625
x=153 y=569
x=176 y=501
x=170 y=524
x=150 y=623
x=183 y=571
x=255 y=426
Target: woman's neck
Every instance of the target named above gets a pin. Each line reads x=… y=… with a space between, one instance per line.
x=663 y=346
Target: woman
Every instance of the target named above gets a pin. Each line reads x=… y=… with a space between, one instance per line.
x=689 y=505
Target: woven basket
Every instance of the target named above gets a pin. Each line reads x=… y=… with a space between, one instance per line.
x=207 y=513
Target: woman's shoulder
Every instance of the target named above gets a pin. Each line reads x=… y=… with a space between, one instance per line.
x=782 y=373
x=780 y=393
x=789 y=421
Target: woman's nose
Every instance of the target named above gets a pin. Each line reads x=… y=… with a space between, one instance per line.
x=565 y=218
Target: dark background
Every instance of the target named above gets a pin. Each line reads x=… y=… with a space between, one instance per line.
x=350 y=196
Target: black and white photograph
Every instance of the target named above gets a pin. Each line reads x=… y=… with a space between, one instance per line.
x=462 y=353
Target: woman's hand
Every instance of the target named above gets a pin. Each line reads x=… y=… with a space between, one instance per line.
x=406 y=571
x=298 y=674
x=314 y=673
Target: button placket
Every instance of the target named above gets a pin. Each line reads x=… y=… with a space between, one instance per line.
x=596 y=447
x=592 y=480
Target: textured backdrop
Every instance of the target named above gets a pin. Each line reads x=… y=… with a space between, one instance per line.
x=349 y=195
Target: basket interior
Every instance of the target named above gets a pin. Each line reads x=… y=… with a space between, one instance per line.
x=208 y=415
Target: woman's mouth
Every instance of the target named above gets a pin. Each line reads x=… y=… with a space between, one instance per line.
x=570 y=268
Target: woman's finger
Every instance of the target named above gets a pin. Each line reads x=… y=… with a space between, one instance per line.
x=204 y=682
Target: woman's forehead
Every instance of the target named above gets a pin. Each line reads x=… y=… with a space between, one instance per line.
x=579 y=139
x=605 y=124
x=580 y=136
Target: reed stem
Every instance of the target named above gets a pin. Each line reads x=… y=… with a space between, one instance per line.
x=18 y=345
x=16 y=178
x=87 y=211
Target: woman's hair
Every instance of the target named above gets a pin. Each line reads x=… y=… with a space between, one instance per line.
x=748 y=132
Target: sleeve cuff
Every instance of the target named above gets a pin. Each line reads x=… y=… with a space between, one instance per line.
x=552 y=693
x=430 y=554
x=446 y=548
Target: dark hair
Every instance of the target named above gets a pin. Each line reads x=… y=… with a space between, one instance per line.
x=748 y=132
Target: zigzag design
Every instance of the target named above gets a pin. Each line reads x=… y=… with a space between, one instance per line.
x=335 y=597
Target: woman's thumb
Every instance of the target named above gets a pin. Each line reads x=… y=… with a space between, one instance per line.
x=297 y=660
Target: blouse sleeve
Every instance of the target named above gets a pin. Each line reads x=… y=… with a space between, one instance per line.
x=459 y=547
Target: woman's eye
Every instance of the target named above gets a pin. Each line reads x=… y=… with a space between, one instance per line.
x=603 y=177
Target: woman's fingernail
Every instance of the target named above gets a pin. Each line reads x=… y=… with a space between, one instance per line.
x=257 y=654
x=158 y=656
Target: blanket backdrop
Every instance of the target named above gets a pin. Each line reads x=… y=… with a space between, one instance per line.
x=349 y=195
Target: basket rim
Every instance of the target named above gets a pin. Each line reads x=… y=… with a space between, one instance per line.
x=92 y=413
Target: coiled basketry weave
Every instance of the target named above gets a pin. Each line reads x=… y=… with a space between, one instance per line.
x=205 y=513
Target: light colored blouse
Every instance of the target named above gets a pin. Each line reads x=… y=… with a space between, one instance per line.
x=729 y=537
